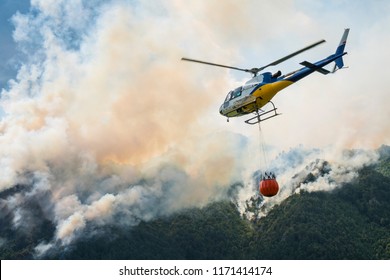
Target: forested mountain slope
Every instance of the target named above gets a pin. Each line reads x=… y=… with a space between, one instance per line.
x=350 y=222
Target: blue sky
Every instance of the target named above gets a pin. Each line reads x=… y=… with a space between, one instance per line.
x=8 y=51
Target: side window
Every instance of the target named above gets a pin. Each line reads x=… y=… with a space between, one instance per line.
x=233 y=94
x=236 y=92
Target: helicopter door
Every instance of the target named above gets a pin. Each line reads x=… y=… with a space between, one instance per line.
x=237 y=92
x=232 y=95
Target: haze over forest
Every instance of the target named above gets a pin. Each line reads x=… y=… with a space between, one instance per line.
x=104 y=130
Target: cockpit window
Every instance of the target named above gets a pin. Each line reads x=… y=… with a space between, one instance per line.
x=234 y=94
x=228 y=96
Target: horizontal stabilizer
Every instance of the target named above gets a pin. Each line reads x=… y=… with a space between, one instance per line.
x=315 y=67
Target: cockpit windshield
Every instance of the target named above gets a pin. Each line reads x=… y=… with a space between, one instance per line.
x=228 y=96
x=234 y=94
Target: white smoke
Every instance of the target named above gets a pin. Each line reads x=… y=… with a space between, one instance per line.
x=102 y=117
x=104 y=124
x=310 y=170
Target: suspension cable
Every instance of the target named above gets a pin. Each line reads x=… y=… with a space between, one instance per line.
x=262 y=150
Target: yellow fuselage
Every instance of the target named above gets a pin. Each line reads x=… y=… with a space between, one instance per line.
x=256 y=100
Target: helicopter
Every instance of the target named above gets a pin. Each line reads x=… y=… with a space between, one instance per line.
x=257 y=92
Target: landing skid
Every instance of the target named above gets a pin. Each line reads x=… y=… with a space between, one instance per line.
x=260 y=117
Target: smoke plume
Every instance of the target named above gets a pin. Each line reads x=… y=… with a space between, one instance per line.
x=104 y=124
x=102 y=120
x=305 y=169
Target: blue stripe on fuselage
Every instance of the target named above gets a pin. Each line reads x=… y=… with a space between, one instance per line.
x=305 y=71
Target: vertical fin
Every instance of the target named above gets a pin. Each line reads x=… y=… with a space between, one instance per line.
x=340 y=49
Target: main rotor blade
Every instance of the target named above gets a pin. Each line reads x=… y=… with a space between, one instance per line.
x=276 y=62
x=214 y=64
x=254 y=71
